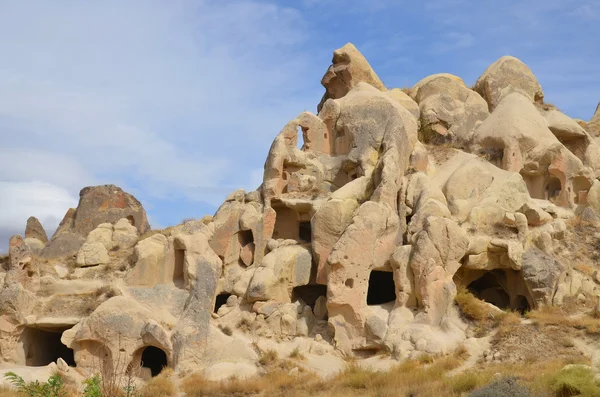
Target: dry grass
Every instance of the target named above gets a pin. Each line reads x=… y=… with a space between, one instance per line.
x=160 y=386
x=268 y=357
x=556 y=316
x=410 y=378
x=8 y=392
x=297 y=355
x=484 y=317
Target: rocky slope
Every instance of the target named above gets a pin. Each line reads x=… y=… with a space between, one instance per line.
x=353 y=244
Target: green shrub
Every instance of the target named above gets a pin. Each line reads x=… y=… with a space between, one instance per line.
x=505 y=387
x=54 y=387
x=93 y=387
x=576 y=381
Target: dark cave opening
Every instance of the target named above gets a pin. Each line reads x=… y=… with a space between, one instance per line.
x=221 y=300
x=155 y=359
x=309 y=293
x=43 y=346
x=178 y=278
x=382 y=288
x=245 y=237
x=304 y=231
x=489 y=289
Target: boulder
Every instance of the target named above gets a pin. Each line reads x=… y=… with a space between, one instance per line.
x=97 y=205
x=125 y=234
x=535 y=215
x=541 y=273
x=525 y=144
x=448 y=109
x=349 y=67
x=34 y=229
x=91 y=254
x=280 y=271
x=505 y=76
x=102 y=234
x=106 y=204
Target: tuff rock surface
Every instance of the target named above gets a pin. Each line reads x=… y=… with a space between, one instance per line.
x=354 y=243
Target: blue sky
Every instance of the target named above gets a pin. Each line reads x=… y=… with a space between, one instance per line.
x=178 y=101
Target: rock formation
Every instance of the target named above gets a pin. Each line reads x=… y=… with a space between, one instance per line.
x=357 y=241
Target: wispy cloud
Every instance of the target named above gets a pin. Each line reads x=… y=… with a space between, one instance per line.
x=179 y=101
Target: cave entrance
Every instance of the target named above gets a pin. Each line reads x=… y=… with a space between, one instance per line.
x=521 y=304
x=131 y=220
x=382 y=288
x=43 y=346
x=553 y=187
x=488 y=288
x=309 y=293
x=245 y=237
x=304 y=231
x=178 y=278
x=221 y=300
x=155 y=359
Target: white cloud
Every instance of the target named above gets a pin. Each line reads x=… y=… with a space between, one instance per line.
x=20 y=200
x=179 y=99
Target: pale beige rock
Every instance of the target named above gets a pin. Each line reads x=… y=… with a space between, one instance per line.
x=449 y=110
x=593 y=197
x=103 y=234
x=279 y=272
x=535 y=215
x=507 y=75
x=525 y=144
x=150 y=267
x=125 y=235
x=36 y=246
x=91 y=254
x=406 y=101
x=366 y=244
x=349 y=67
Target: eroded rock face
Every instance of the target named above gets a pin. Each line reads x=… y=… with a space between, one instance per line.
x=505 y=76
x=448 y=109
x=357 y=240
x=98 y=205
x=34 y=229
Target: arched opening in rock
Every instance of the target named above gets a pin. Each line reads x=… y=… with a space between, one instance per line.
x=43 y=346
x=382 y=288
x=131 y=219
x=245 y=237
x=553 y=187
x=155 y=359
x=304 y=231
x=178 y=278
x=300 y=143
x=220 y=300
x=309 y=293
x=581 y=186
x=488 y=288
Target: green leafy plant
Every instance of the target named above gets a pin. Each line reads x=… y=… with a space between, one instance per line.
x=54 y=387
x=93 y=387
